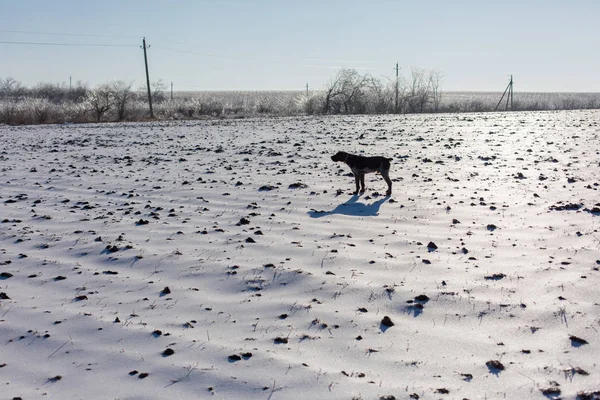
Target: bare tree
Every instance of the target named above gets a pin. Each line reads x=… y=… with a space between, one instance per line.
x=346 y=93
x=310 y=103
x=100 y=100
x=158 y=91
x=423 y=89
x=332 y=91
x=11 y=88
x=435 y=81
x=418 y=95
x=40 y=108
x=350 y=92
x=55 y=93
x=122 y=96
x=354 y=93
x=381 y=96
x=78 y=93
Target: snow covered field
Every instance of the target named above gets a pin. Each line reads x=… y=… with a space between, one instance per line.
x=229 y=259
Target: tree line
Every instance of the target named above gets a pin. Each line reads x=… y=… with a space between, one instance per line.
x=347 y=92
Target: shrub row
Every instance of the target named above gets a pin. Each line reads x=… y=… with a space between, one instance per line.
x=347 y=93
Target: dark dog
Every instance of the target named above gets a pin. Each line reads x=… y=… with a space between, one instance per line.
x=363 y=165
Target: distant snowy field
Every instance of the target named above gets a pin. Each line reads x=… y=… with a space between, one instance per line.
x=229 y=259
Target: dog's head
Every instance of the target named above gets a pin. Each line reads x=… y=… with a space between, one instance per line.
x=339 y=156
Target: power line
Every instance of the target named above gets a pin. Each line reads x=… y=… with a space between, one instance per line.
x=69 y=44
x=337 y=61
x=260 y=60
x=66 y=34
x=249 y=58
x=203 y=54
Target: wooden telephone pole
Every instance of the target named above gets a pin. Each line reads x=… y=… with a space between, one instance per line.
x=508 y=89
x=147 y=77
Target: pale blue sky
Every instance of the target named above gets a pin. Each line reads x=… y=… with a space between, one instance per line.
x=270 y=45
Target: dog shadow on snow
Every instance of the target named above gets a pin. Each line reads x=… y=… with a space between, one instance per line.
x=352 y=207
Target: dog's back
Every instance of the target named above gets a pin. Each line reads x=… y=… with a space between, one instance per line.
x=361 y=165
x=368 y=164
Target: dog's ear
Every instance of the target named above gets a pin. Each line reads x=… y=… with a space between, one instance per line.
x=339 y=156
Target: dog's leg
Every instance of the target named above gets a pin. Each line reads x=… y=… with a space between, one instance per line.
x=362 y=182
x=356 y=179
x=385 y=174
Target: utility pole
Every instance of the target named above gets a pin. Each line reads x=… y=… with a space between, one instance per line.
x=508 y=97
x=508 y=89
x=147 y=77
x=69 y=83
x=511 y=93
x=171 y=90
x=396 y=108
x=307 y=90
